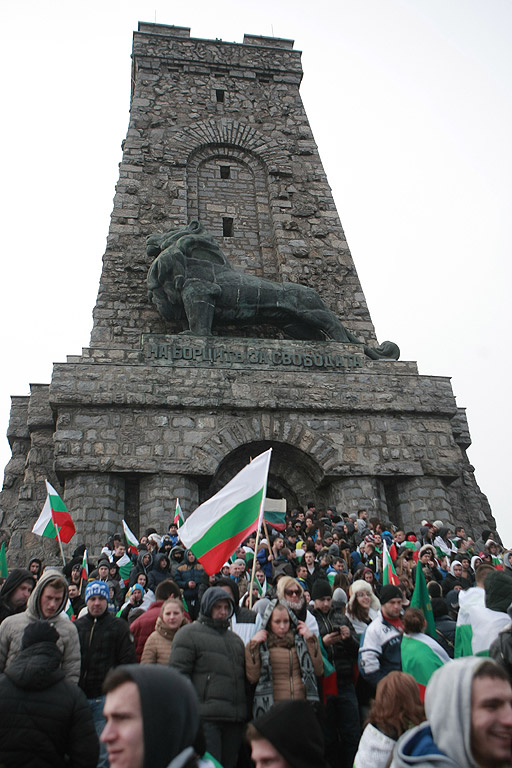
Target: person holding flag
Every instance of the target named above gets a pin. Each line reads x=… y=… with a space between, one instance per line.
x=421 y=654
x=179 y=517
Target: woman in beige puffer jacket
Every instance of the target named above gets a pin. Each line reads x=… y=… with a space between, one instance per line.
x=157 y=648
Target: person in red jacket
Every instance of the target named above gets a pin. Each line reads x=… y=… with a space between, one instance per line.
x=142 y=627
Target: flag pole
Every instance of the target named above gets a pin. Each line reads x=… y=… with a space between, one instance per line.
x=253 y=572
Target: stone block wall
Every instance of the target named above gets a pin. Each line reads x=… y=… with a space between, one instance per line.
x=198 y=106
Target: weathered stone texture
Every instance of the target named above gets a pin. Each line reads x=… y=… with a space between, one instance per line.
x=218 y=132
x=285 y=224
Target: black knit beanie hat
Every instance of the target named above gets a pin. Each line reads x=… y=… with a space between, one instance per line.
x=39 y=632
x=292 y=728
x=321 y=588
x=389 y=592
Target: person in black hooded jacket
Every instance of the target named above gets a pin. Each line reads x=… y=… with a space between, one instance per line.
x=15 y=592
x=45 y=721
x=152 y=719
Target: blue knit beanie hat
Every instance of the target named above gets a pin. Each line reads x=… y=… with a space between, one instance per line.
x=97 y=588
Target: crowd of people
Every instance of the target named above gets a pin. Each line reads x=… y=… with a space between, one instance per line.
x=300 y=651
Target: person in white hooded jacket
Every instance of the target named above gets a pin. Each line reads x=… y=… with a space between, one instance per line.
x=468 y=704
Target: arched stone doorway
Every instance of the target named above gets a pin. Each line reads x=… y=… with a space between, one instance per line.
x=293 y=474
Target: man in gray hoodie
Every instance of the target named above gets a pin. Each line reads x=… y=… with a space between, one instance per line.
x=468 y=704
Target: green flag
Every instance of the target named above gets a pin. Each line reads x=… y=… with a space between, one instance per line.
x=421 y=599
x=3 y=562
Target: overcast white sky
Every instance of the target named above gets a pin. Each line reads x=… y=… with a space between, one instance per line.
x=411 y=106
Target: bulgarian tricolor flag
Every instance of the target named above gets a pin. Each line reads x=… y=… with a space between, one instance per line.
x=54 y=522
x=218 y=527
x=179 y=517
x=421 y=656
x=125 y=565
x=477 y=625
x=84 y=574
x=276 y=520
x=388 y=569
x=132 y=541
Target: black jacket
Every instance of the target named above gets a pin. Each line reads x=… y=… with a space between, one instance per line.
x=213 y=658
x=342 y=655
x=10 y=585
x=45 y=721
x=105 y=642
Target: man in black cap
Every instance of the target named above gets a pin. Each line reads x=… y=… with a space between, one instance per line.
x=15 y=592
x=287 y=736
x=380 y=651
x=341 y=643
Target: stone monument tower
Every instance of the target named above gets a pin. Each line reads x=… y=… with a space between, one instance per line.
x=158 y=407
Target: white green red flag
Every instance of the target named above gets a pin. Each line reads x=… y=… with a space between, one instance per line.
x=218 y=527
x=421 y=656
x=132 y=541
x=276 y=520
x=477 y=625
x=179 y=517
x=84 y=575
x=388 y=569
x=54 y=522
x=68 y=610
x=125 y=565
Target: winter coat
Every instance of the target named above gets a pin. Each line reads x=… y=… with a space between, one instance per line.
x=444 y=741
x=343 y=655
x=213 y=658
x=11 y=630
x=144 y=625
x=156 y=575
x=374 y=749
x=174 y=563
x=10 y=585
x=379 y=652
x=45 y=721
x=445 y=633
x=157 y=648
x=501 y=649
x=140 y=568
x=286 y=672
x=105 y=642
x=190 y=572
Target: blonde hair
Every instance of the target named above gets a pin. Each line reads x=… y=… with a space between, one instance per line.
x=284 y=583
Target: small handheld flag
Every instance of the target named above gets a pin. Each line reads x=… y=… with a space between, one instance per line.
x=179 y=517
x=388 y=569
x=131 y=540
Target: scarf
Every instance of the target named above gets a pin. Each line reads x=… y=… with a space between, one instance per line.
x=264 y=693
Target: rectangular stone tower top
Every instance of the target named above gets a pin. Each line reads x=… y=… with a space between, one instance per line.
x=218 y=133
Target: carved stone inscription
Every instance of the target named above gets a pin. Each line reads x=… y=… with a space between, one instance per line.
x=165 y=350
